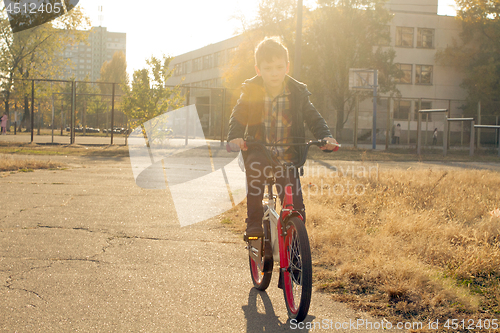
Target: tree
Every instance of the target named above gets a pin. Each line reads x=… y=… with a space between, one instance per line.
x=477 y=53
x=148 y=96
x=343 y=35
x=35 y=53
x=114 y=71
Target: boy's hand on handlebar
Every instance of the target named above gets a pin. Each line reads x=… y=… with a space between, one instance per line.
x=240 y=143
x=331 y=144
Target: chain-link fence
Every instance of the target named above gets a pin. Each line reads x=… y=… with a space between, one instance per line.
x=404 y=111
x=65 y=108
x=97 y=112
x=488 y=114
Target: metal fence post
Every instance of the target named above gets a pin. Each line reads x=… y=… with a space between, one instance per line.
x=445 y=136
x=112 y=111
x=72 y=119
x=32 y=108
x=419 y=131
x=222 y=120
x=462 y=134
x=409 y=124
x=472 y=128
x=374 y=134
x=186 y=140
x=479 y=123
x=499 y=143
x=448 y=131
x=53 y=116
x=356 y=120
x=388 y=125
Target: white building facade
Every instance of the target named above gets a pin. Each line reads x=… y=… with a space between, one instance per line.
x=417 y=34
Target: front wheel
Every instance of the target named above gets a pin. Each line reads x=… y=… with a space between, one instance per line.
x=297 y=278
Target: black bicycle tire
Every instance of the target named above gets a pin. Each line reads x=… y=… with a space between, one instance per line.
x=266 y=276
x=299 y=313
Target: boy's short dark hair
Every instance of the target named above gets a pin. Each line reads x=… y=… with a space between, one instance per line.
x=268 y=49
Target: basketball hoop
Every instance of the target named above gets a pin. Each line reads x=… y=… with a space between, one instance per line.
x=362 y=79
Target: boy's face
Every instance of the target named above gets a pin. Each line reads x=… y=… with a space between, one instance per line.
x=273 y=73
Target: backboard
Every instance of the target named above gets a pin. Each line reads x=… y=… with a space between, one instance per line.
x=362 y=79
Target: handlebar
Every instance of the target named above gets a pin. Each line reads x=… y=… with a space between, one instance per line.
x=319 y=143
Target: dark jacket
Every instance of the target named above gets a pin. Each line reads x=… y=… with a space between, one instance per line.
x=248 y=114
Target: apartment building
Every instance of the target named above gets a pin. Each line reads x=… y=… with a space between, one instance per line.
x=88 y=57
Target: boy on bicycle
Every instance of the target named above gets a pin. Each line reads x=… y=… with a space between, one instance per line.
x=273 y=108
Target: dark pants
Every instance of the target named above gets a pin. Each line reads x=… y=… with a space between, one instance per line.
x=256 y=165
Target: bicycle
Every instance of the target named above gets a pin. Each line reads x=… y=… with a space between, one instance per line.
x=291 y=248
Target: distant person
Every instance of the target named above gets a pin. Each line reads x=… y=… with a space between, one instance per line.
x=397 y=134
x=435 y=137
x=4 y=123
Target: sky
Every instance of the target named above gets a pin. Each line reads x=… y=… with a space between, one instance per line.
x=173 y=27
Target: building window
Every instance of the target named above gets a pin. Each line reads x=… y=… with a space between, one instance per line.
x=208 y=61
x=219 y=59
x=425 y=38
x=197 y=63
x=404 y=36
x=178 y=70
x=186 y=67
x=407 y=70
x=231 y=53
x=401 y=109
x=423 y=74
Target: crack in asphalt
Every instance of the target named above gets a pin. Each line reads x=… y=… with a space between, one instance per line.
x=12 y=279
x=113 y=236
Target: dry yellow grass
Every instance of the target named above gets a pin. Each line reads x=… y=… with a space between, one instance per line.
x=9 y=163
x=416 y=244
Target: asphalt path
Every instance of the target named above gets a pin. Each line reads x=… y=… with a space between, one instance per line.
x=85 y=249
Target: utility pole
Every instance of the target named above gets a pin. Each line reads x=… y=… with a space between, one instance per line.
x=298 y=42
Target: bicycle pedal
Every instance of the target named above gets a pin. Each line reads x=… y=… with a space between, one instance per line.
x=250 y=238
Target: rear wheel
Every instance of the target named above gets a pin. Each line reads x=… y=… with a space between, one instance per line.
x=297 y=278
x=261 y=279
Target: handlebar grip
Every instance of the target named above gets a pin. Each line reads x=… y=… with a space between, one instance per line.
x=337 y=146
